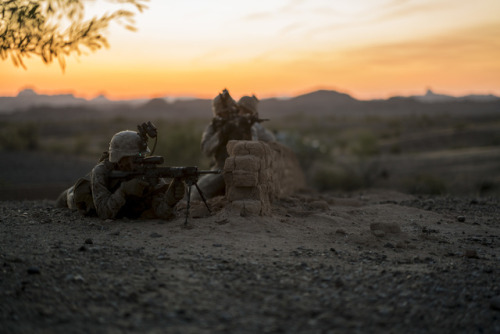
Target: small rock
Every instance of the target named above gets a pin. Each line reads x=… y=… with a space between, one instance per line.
x=319 y=205
x=471 y=254
x=89 y=241
x=74 y=278
x=401 y=244
x=495 y=303
x=341 y=232
x=378 y=233
x=339 y=283
x=386 y=227
x=34 y=271
x=46 y=311
x=155 y=235
x=461 y=219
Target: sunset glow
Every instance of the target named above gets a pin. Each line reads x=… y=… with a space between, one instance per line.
x=366 y=48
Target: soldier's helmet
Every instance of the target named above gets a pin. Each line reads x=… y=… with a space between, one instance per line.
x=248 y=105
x=125 y=144
x=223 y=105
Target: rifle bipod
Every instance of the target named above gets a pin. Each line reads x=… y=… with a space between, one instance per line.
x=189 y=200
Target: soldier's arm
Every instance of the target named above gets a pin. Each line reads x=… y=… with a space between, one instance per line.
x=159 y=202
x=261 y=133
x=107 y=204
x=210 y=140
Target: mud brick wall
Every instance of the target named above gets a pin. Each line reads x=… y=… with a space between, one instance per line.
x=256 y=173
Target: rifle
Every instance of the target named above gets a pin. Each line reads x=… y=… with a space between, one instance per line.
x=237 y=127
x=148 y=169
x=218 y=122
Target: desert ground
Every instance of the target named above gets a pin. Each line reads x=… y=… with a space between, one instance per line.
x=373 y=261
x=397 y=232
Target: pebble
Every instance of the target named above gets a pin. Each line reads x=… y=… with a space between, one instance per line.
x=461 y=219
x=385 y=227
x=89 y=241
x=74 y=278
x=34 y=271
x=378 y=233
x=495 y=303
x=471 y=254
x=341 y=232
x=319 y=205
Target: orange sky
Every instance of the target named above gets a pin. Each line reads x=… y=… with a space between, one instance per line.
x=369 y=49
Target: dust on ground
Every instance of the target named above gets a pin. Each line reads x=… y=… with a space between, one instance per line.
x=368 y=262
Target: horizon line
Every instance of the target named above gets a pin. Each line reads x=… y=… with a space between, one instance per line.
x=167 y=97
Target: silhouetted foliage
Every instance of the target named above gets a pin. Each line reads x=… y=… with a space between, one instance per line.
x=53 y=29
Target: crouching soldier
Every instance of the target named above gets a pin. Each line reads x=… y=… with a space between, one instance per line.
x=231 y=121
x=109 y=198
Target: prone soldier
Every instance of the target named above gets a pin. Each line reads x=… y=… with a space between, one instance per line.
x=114 y=197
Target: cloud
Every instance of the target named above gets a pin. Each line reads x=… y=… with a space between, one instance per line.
x=291 y=28
x=258 y=16
x=368 y=18
x=403 y=9
x=462 y=47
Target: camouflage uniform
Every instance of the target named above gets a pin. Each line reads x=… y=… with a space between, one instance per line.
x=112 y=202
x=248 y=107
x=97 y=194
x=213 y=142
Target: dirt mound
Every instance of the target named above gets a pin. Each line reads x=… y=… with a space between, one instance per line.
x=373 y=262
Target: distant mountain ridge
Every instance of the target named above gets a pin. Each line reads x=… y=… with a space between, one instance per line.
x=30 y=106
x=431 y=97
x=28 y=98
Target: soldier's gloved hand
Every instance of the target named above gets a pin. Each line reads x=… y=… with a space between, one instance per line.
x=175 y=192
x=229 y=127
x=245 y=121
x=134 y=187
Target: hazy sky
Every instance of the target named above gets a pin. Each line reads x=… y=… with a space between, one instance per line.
x=367 y=48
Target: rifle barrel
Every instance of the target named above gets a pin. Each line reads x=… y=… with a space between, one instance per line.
x=218 y=171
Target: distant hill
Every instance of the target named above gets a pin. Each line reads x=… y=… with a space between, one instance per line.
x=30 y=105
x=431 y=97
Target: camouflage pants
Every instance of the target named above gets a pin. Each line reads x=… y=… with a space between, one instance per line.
x=78 y=197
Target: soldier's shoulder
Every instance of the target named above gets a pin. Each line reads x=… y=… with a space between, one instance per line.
x=102 y=167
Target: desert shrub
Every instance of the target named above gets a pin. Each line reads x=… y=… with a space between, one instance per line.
x=81 y=145
x=308 y=149
x=487 y=186
x=392 y=129
x=179 y=143
x=460 y=126
x=426 y=184
x=22 y=136
x=366 y=144
x=395 y=149
x=425 y=121
x=56 y=147
x=335 y=178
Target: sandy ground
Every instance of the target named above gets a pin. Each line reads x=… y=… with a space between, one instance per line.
x=367 y=262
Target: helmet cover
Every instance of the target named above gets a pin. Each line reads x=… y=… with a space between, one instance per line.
x=125 y=144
